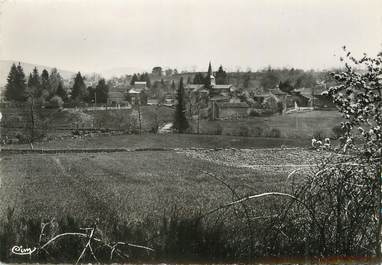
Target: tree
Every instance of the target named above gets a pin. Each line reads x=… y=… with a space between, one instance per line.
x=208 y=78
x=61 y=92
x=45 y=84
x=358 y=97
x=168 y=72
x=180 y=121
x=173 y=86
x=157 y=70
x=16 y=84
x=54 y=81
x=221 y=76
x=145 y=78
x=269 y=79
x=198 y=79
x=56 y=102
x=34 y=79
x=134 y=79
x=101 y=91
x=286 y=86
x=79 y=88
x=247 y=80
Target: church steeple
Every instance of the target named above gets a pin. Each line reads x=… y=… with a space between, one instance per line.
x=210 y=79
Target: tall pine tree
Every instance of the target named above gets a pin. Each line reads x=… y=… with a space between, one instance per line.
x=208 y=78
x=45 y=85
x=180 y=120
x=79 y=88
x=102 y=91
x=34 y=79
x=16 y=85
x=61 y=92
x=134 y=79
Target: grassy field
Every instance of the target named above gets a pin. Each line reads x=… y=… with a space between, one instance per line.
x=294 y=125
x=141 y=192
x=132 y=186
x=168 y=141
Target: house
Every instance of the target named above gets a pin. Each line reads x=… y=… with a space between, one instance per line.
x=230 y=110
x=152 y=101
x=117 y=96
x=315 y=97
x=137 y=94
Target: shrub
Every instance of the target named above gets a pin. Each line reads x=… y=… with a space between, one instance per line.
x=55 y=102
x=22 y=137
x=319 y=135
x=338 y=131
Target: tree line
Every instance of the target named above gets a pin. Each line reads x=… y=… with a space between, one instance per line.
x=48 y=88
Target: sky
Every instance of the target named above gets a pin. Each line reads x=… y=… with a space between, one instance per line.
x=97 y=35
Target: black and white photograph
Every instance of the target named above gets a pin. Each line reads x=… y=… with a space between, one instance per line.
x=190 y=132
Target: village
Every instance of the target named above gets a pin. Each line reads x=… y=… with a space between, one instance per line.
x=219 y=100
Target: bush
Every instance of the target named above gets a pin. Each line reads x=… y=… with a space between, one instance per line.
x=338 y=131
x=23 y=137
x=55 y=102
x=319 y=135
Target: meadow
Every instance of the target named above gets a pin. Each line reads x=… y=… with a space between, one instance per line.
x=134 y=141
x=303 y=125
x=136 y=185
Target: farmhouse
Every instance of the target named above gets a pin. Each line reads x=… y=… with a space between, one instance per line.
x=315 y=97
x=137 y=94
x=229 y=110
x=117 y=96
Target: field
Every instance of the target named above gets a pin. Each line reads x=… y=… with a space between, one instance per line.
x=138 y=184
x=141 y=191
x=167 y=141
x=302 y=125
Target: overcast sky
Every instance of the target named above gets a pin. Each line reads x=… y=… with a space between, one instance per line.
x=94 y=35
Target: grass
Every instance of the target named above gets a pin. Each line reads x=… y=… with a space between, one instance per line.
x=295 y=125
x=169 y=141
x=140 y=195
x=128 y=186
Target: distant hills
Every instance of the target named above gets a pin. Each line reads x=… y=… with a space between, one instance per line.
x=5 y=66
x=120 y=71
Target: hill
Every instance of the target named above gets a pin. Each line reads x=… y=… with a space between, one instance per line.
x=5 y=66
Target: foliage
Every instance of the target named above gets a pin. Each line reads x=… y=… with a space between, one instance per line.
x=207 y=80
x=102 y=90
x=247 y=80
x=221 y=76
x=61 y=92
x=359 y=97
x=198 y=79
x=341 y=196
x=56 y=102
x=134 y=79
x=45 y=84
x=54 y=81
x=180 y=120
x=79 y=92
x=16 y=84
x=157 y=70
